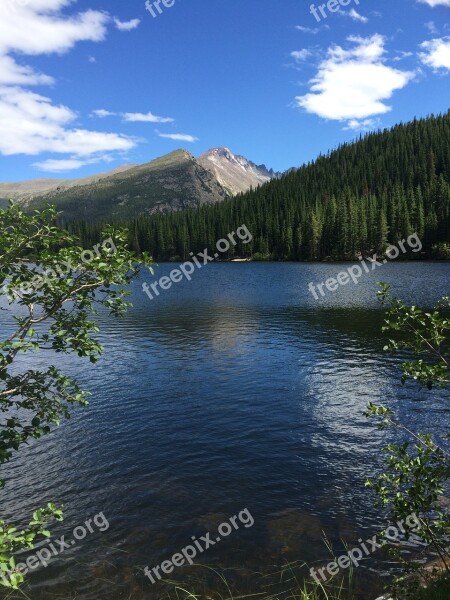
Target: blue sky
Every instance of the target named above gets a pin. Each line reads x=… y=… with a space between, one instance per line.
x=88 y=85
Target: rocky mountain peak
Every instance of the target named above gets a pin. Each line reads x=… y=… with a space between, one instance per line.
x=233 y=171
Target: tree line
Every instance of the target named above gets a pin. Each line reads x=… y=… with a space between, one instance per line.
x=354 y=200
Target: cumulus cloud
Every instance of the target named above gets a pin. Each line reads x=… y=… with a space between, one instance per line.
x=40 y=28
x=436 y=53
x=31 y=123
x=180 y=137
x=355 y=83
x=126 y=25
x=146 y=118
x=11 y=73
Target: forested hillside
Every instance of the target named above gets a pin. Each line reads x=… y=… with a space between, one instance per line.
x=172 y=182
x=356 y=199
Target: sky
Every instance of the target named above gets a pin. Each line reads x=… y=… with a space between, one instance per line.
x=88 y=85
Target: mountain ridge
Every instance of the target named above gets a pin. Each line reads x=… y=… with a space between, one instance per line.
x=352 y=202
x=171 y=182
x=234 y=172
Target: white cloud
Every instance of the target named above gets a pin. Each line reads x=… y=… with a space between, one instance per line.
x=40 y=28
x=402 y=55
x=312 y=30
x=102 y=113
x=434 y=3
x=180 y=137
x=55 y=166
x=92 y=59
x=437 y=53
x=353 y=14
x=363 y=125
x=126 y=25
x=300 y=55
x=84 y=143
x=68 y=164
x=431 y=27
x=353 y=84
x=146 y=118
x=31 y=123
x=11 y=73
x=133 y=117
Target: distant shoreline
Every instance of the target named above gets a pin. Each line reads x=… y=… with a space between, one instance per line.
x=309 y=262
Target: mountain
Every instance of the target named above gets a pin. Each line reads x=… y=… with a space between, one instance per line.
x=355 y=200
x=173 y=182
x=235 y=173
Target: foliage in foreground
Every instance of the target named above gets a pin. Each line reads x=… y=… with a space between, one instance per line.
x=52 y=301
x=438 y=590
x=418 y=470
x=285 y=584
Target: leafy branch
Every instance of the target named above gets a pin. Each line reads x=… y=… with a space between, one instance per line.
x=54 y=288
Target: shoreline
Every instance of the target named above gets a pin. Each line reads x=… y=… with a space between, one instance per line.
x=308 y=262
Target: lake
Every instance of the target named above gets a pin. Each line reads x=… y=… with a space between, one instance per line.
x=236 y=390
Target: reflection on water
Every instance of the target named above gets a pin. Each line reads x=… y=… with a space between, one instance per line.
x=235 y=390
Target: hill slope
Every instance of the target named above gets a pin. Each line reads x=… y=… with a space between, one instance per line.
x=25 y=191
x=356 y=199
x=170 y=183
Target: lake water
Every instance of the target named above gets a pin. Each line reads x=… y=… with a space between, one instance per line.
x=235 y=390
